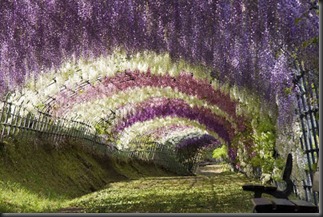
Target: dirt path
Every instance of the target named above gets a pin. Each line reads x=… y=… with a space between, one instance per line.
x=211 y=170
x=213 y=190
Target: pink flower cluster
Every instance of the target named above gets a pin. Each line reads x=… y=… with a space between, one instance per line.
x=163 y=107
x=127 y=80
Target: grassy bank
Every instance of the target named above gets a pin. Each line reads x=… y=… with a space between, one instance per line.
x=36 y=175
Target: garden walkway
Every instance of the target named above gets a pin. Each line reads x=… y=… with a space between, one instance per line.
x=213 y=190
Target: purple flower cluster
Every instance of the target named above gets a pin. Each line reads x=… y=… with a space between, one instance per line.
x=198 y=142
x=163 y=107
x=36 y=35
x=127 y=80
x=163 y=131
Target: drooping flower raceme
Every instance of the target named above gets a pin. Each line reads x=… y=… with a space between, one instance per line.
x=87 y=60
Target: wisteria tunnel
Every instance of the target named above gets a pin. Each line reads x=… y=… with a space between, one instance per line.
x=163 y=80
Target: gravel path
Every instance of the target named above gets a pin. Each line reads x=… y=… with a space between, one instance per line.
x=210 y=170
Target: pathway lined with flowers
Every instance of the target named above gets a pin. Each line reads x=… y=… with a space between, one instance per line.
x=213 y=190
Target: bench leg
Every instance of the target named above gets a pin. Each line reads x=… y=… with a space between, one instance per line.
x=257 y=194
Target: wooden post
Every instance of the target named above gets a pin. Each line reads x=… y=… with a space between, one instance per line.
x=2 y=119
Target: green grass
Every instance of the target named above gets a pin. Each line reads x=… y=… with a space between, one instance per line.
x=16 y=198
x=36 y=176
x=221 y=193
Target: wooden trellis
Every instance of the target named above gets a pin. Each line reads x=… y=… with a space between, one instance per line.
x=17 y=122
x=307 y=95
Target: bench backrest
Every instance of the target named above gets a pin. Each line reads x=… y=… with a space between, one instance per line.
x=286 y=176
x=288 y=167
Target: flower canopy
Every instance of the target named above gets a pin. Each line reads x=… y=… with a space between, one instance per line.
x=194 y=71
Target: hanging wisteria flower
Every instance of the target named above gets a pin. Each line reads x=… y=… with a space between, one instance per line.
x=109 y=60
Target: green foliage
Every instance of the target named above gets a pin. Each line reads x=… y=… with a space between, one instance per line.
x=220 y=153
x=256 y=143
x=100 y=129
x=256 y=161
x=206 y=154
x=311 y=167
x=314 y=40
x=288 y=90
x=317 y=116
x=264 y=151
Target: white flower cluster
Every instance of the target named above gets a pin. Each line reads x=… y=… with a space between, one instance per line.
x=176 y=135
x=94 y=110
x=140 y=128
x=37 y=90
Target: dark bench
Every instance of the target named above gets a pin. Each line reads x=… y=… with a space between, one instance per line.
x=280 y=203
x=272 y=190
